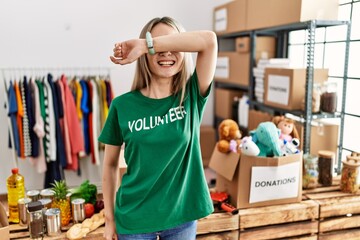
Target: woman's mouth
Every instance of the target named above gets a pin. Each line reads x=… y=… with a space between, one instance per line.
x=166 y=63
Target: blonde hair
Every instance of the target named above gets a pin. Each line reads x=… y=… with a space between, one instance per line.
x=142 y=72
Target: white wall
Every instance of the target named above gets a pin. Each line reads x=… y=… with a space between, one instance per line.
x=64 y=34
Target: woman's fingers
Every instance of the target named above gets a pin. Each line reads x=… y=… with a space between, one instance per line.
x=116 y=60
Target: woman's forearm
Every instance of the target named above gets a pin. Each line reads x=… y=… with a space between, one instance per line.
x=196 y=41
x=110 y=179
x=109 y=188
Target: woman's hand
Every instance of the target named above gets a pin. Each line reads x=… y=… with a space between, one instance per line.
x=110 y=230
x=128 y=51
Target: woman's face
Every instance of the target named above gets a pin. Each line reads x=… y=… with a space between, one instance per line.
x=164 y=64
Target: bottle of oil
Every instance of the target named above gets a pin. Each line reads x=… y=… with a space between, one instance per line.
x=16 y=190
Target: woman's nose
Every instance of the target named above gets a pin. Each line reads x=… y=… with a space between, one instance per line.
x=165 y=53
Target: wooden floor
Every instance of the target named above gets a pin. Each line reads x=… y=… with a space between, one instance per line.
x=325 y=213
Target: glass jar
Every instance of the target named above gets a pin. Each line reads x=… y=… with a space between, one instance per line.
x=328 y=99
x=311 y=172
x=36 y=222
x=316 y=96
x=325 y=165
x=350 y=177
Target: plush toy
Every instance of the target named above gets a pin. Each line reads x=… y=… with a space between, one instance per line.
x=289 y=147
x=229 y=136
x=287 y=128
x=266 y=137
x=248 y=147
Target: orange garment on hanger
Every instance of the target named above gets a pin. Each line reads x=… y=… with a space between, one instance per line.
x=19 y=117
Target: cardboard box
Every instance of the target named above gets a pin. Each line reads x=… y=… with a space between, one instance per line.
x=207 y=143
x=233 y=67
x=257 y=117
x=4 y=224
x=258 y=181
x=265 y=46
x=324 y=136
x=285 y=87
x=269 y=13
x=230 y=17
x=224 y=100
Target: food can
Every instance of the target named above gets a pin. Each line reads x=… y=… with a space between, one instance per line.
x=23 y=216
x=33 y=194
x=78 y=210
x=53 y=223
x=47 y=193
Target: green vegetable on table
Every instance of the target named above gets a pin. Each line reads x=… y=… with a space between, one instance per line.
x=86 y=190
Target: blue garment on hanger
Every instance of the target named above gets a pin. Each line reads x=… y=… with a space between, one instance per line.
x=54 y=168
x=31 y=116
x=85 y=110
x=57 y=103
x=12 y=113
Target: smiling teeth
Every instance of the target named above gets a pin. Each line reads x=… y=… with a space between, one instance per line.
x=166 y=63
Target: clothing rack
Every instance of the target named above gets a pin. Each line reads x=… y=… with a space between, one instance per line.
x=16 y=72
x=13 y=73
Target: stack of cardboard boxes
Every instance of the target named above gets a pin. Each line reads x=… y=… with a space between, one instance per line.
x=245 y=15
x=261 y=181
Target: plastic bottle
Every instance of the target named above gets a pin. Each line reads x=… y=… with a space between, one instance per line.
x=16 y=190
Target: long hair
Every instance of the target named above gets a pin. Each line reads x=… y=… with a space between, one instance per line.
x=142 y=72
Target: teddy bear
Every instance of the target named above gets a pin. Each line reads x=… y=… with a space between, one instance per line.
x=229 y=136
x=287 y=128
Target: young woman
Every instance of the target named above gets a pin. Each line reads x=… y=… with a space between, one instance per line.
x=164 y=190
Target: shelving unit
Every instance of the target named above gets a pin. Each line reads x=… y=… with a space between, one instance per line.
x=282 y=39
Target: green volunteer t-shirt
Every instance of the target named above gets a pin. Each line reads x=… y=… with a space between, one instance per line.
x=164 y=185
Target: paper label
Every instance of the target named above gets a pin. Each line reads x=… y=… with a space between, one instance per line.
x=222 y=67
x=220 y=20
x=271 y=183
x=278 y=89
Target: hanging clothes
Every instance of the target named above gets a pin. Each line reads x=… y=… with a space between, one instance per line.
x=12 y=113
x=20 y=114
x=54 y=123
x=50 y=127
x=85 y=110
x=76 y=138
x=34 y=140
x=64 y=126
x=95 y=121
x=25 y=120
x=58 y=112
x=91 y=129
x=39 y=162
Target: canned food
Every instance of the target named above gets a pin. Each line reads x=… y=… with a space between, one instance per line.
x=78 y=210
x=47 y=193
x=33 y=194
x=23 y=216
x=53 y=223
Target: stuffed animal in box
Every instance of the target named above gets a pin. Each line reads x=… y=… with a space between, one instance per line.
x=289 y=147
x=229 y=136
x=266 y=137
x=287 y=128
x=248 y=147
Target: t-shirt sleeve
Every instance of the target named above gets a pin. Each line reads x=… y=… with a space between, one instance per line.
x=111 y=133
x=195 y=91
